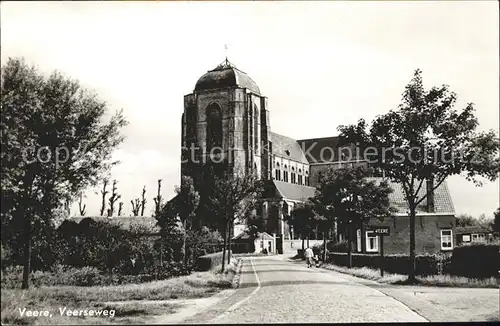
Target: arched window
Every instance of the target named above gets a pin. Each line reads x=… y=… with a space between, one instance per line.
x=214 y=127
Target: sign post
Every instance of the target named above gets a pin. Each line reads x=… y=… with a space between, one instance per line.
x=381 y=231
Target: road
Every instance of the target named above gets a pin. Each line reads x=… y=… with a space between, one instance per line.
x=274 y=290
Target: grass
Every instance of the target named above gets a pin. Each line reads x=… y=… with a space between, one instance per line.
x=196 y=285
x=434 y=280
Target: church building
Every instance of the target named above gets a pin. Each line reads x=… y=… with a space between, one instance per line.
x=227 y=119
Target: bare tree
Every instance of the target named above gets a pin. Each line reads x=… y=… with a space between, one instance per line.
x=81 y=206
x=158 y=200
x=120 y=208
x=104 y=192
x=144 y=201
x=136 y=206
x=113 y=199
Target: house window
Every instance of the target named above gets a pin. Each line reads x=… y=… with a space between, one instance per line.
x=358 y=240
x=478 y=237
x=446 y=240
x=371 y=242
x=466 y=238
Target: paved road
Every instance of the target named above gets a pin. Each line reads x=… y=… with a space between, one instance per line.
x=274 y=290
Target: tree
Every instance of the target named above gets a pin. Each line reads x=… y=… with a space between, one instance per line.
x=113 y=198
x=167 y=220
x=186 y=202
x=144 y=201
x=120 y=208
x=348 y=197
x=465 y=220
x=104 y=192
x=136 y=206
x=496 y=221
x=158 y=200
x=425 y=141
x=229 y=199
x=54 y=145
x=303 y=220
x=81 y=206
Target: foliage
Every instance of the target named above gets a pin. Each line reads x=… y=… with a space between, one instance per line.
x=476 y=260
x=426 y=264
x=54 y=145
x=232 y=196
x=426 y=139
x=496 y=221
x=210 y=261
x=302 y=219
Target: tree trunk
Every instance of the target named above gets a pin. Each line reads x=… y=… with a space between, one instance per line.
x=411 y=272
x=324 y=247
x=229 y=242
x=224 y=233
x=308 y=242
x=349 y=246
x=27 y=253
x=303 y=244
x=184 y=256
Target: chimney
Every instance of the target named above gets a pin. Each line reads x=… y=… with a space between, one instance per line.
x=430 y=195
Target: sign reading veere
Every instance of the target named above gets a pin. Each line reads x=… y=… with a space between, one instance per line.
x=381 y=230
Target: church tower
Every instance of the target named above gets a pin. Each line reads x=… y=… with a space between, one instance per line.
x=225 y=123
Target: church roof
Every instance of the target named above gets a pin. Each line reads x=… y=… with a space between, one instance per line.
x=226 y=75
x=293 y=191
x=314 y=146
x=287 y=147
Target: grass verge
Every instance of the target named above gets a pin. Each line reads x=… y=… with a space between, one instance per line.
x=398 y=279
x=54 y=298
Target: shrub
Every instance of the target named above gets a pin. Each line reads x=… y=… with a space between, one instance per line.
x=337 y=246
x=209 y=262
x=426 y=264
x=477 y=260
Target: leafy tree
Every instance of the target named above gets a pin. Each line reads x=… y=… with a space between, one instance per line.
x=171 y=235
x=496 y=221
x=186 y=202
x=54 y=145
x=465 y=220
x=230 y=198
x=348 y=197
x=303 y=220
x=425 y=139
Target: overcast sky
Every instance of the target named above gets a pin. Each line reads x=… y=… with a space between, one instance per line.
x=321 y=64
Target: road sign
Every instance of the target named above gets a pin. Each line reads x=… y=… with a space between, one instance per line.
x=381 y=230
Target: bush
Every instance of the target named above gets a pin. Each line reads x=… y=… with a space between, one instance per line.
x=209 y=262
x=426 y=264
x=477 y=260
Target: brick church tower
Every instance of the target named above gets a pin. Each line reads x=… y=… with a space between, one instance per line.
x=225 y=123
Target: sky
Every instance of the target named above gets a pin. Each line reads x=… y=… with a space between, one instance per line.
x=321 y=65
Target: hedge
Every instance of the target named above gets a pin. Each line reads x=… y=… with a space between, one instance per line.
x=478 y=260
x=210 y=261
x=398 y=264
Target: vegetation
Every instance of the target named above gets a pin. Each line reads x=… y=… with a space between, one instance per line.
x=424 y=141
x=55 y=143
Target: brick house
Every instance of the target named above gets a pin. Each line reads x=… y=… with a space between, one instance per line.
x=475 y=233
x=434 y=225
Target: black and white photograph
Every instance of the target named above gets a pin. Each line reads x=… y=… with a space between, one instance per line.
x=249 y=162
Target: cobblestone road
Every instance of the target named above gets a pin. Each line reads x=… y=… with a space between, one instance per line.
x=273 y=290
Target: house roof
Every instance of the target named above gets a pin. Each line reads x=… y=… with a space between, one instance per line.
x=293 y=191
x=442 y=199
x=472 y=229
x=287 y=147
x=246 y=236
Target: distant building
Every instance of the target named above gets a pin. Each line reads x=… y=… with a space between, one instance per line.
x=226 y=120
x=471 y=234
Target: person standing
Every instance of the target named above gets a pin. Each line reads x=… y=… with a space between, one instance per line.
x=309 y=256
